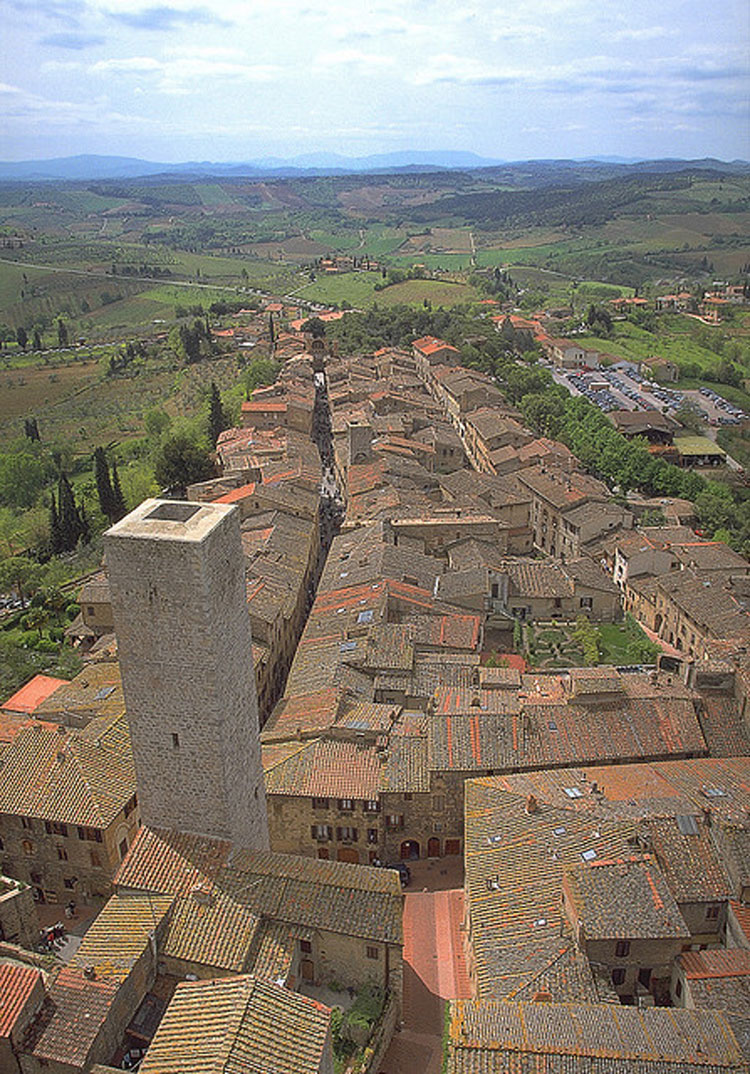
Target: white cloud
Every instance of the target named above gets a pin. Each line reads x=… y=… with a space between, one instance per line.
x=133 y=64
x=351 y=57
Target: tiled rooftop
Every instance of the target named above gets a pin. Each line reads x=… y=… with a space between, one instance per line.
x=76 y=777
x=623 y=899
x=16 y=985
x=521 y=1038
x=358 y=900
x=241 y=1025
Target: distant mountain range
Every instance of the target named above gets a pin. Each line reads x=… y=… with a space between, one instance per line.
x=83 y=168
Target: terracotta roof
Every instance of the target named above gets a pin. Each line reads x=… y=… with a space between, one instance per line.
x=327 y=769
x=734 y=962
x=264 y=408
x=241 y=493
x=16 y=985
x=606 y=1038
x=119 y=934
x=76 y=777
x=71 y=1018
x=333 y=896
x=241 y=1025
x=32 y=693
x=622 y=899
x=689 y=861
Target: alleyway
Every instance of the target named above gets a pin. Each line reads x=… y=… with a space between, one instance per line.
x=434 y=971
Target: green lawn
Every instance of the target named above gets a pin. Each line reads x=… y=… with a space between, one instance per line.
x=619 y=643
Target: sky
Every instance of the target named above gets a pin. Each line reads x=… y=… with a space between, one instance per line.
x=241 y=80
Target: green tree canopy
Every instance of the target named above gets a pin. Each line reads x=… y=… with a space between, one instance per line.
x=181 y=460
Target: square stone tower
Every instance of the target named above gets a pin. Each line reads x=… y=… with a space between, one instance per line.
x=177 y=579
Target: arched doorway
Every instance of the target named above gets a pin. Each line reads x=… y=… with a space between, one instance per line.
x=409 y=850
x=433 y=847
x=348 y=854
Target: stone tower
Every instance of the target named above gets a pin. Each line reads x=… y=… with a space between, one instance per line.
x=359 y=442
x=177 y=578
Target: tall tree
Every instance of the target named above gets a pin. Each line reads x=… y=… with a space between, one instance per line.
x=119 y=510
x=22 y=336
x=62 y=333
x=217 y=419
x=37 y=340
x=72 y=522
x=103 y=484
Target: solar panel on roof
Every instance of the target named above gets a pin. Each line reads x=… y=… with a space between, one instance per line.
x=588 y=855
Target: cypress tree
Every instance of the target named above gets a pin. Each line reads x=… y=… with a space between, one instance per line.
x=217 y=419
x=55 y=536
x=119 y=510
x=72 y=521
x=103 y=483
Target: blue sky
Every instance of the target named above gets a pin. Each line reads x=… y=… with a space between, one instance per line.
x=244 y=79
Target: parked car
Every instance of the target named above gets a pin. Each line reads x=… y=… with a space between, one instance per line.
x=403 y=870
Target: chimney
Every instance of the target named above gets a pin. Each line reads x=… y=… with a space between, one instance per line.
x=532 y=806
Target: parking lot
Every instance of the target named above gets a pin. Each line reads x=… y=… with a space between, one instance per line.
x=622 y=387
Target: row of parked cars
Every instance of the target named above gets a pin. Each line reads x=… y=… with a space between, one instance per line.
x=732 y=415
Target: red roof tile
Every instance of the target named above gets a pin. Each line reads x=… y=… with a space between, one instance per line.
x=16 y=985
x=699 y=965
x=33 y=693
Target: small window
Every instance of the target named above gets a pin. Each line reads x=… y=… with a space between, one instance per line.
x=438 y=803
x=321 y=832
x=585 y=602
x=618 y=977
x=372 y=835
x=27 y=823
x=320 y=803
x=346 y=805
x=175 y=741
x=372 y=806
x=678 y=989
x=62 y=854
x=123 y=848
x=373 y=952
x=408 y=796
x=712 y=912
x=305 y=947
x=27 y=847
x=70 y=883
x=395 y=820
x=346 y=834
x=622 y=948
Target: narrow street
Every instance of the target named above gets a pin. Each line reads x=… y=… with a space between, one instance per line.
x=434 y=971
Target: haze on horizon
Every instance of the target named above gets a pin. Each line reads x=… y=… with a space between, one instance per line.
x=175 y=80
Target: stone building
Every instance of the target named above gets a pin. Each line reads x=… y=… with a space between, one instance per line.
x=177 y=578
x=68 y=809
x=18 y=923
